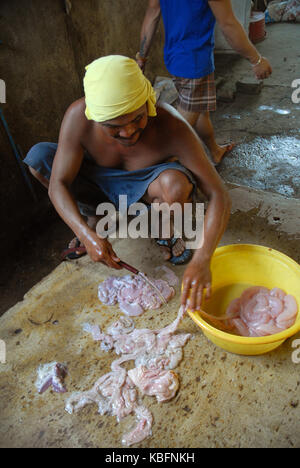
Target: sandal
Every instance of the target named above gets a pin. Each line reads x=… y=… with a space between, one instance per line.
x=74 y=252
x=181 y=259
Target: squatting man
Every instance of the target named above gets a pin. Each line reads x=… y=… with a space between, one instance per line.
x=116 y=141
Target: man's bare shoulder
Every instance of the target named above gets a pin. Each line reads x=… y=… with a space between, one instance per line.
x=76 y=112
x=169 y=116
x=171 y=121
x=75 y=123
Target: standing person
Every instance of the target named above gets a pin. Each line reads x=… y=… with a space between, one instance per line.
x=189 y=56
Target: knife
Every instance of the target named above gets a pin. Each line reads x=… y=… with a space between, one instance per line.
x=130 y=268
x=144 y=277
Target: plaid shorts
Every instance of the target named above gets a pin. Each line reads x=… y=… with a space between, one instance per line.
x=196 y=95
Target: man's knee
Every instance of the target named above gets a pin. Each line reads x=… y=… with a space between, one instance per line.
x=40 y=158
x=39 y=161
x=175 y=187
x=41 y=152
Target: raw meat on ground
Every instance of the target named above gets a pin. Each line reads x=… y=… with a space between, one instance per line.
x=163 y=384
x=133 y=294
x=155 y=352
x=51 y=374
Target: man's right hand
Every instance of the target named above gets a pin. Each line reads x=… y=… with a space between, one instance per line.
x=262 y=70
x=100 y=250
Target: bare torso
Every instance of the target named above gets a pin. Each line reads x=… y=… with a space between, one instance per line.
x=152 y=147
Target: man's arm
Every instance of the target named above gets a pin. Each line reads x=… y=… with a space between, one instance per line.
x=236 y=36
x=66 y=166
x=148 y=30
x=188 y=148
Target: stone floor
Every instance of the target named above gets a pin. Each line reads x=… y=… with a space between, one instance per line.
x=265 y=126
x=225 y=400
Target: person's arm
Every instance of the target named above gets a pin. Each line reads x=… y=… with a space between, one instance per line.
x=188 y=148
x=237 y=37
x=66 y=166
x=148 y=30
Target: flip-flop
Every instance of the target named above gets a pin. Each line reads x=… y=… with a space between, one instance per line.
x=181 y=259
x=74 y=252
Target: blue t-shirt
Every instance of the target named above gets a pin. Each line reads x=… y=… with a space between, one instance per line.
x=189 y=37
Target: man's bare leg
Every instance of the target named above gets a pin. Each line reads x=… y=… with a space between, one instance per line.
x=171 y=186
x=201 y=122
x=91 y=220
x=39 y=177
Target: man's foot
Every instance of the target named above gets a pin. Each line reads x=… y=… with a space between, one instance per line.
x=75 y=243
x=221 y=151
x=174 y=250
x=71 y=253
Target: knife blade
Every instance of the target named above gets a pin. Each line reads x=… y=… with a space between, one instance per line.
x=144 y=277
x=130 y=268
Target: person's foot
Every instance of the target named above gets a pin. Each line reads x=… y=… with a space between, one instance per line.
x=71 y=253
x=169 y=251
x=221 y=151
x=92 y=223
x=75 y=243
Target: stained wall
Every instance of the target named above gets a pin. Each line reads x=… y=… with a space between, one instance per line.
x=44 y=47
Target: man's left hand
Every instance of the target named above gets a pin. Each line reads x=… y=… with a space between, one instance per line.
x=196 y=279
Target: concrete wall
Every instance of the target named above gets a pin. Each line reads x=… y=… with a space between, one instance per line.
x=43 y=52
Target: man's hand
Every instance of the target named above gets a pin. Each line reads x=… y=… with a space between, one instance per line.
x=238 y=38
x=100 y=250
x=263 y=69
x=141 y=61
x=197 y=278
x=149 y=27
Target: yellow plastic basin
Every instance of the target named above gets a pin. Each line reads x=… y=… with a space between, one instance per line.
x=235 y=268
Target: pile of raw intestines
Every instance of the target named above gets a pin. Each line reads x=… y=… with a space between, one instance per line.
x=155 y=354
x=134 y=296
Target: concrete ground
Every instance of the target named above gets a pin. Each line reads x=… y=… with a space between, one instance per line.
x=265 y=126
x=225 y=400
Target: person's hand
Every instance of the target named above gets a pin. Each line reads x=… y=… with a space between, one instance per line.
x=141 y=61
x=100 y=250
x=263 y=69
x=196 y=279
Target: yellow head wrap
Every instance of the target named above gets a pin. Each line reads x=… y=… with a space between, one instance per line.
x=115 y=86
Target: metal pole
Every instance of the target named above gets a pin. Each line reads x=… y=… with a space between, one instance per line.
x=18 y=157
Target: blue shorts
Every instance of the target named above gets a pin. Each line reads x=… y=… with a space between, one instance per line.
x=95 y=184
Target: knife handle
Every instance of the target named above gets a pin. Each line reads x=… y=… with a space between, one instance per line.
x=129 y=267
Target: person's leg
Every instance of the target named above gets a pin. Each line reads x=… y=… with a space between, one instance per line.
x=171 y=186
x=205 y=130
x=197 y=98
x=40 y=160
